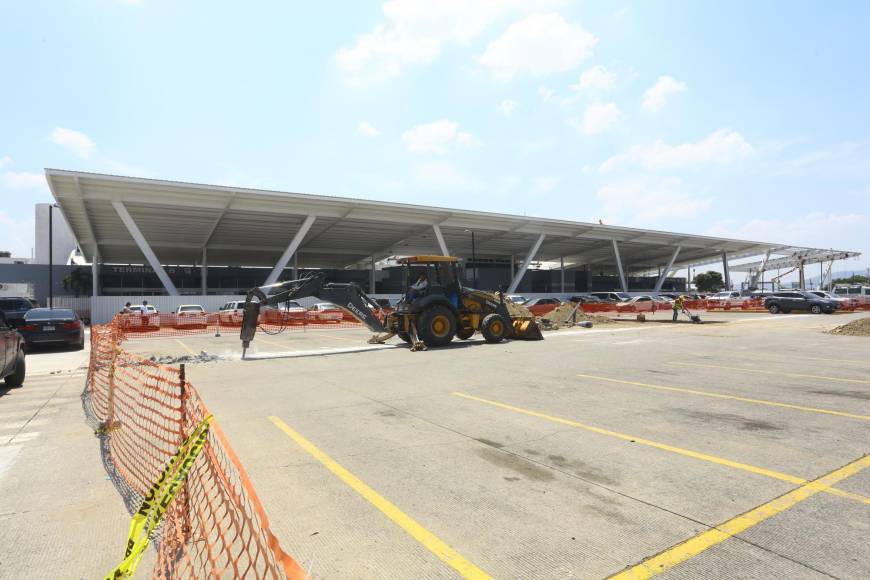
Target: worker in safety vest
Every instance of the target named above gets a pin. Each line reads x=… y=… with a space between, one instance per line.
x=677 y=306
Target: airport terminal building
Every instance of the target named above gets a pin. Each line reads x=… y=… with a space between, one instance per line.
x=149 y=237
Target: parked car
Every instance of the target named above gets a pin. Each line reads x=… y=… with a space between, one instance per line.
x=14 y=309
x=639 y=304
x=842 y=301
x=516 y=298
x=726 y=299
x=191 y=315
x=585 y=299
x=541 y=306
x=860 y=293
x=284 y=313
x=12 y=360
x=42 y=326
x=798 y=300
x=144 y=317
x=612 y=296
x=231 y=313
x=325 y=312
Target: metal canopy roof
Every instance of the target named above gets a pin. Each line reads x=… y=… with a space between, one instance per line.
x=251 y=227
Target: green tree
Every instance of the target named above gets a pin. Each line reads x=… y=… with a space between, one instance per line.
x=709 y=281
x=853 y=279
x=78 y=281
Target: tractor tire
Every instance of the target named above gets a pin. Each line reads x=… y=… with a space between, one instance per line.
x=774 y=309
x=436 y=326
x=404 y=336
x=16 y=379
x=493 y=328
x=465 y=333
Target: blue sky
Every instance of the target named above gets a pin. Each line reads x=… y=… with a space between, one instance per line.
x=746 y=119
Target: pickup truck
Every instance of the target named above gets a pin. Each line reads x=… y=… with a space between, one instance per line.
x=11 y=354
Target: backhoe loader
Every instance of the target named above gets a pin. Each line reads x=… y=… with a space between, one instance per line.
x=427 y=317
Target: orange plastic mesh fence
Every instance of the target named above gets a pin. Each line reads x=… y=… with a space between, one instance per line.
x=162 y=325
x=216 y=526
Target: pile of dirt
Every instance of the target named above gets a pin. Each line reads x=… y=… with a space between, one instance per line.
x=566 y=316
x=202 y=357
x=860 y=327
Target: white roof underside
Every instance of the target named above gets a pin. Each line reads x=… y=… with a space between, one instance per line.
x=250 y=227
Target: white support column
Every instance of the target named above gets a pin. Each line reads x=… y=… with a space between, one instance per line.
x=518 y=278
x=562 y=273
x=667 y=269
x=95 y=274
x=144 y=247
x=619 y=269
x=296 y=266
x=290 y=251
x=440 y=238
x=372 y=277
x=726 y=271
x=204 y=272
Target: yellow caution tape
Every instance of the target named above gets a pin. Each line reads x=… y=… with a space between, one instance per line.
x=157 y=501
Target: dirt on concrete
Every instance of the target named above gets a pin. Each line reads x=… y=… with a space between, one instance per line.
x=566 y=316
x=860 y=327
x=202 y=357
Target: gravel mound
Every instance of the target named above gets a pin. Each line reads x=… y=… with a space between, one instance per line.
x=860 y=327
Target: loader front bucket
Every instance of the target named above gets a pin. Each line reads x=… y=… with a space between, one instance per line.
x=526 y=329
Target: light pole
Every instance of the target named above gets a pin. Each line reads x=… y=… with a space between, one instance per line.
x=50 y=256
x=473 y=256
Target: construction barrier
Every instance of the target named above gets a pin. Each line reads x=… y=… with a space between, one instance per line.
x=143 y=413
x=271 y=321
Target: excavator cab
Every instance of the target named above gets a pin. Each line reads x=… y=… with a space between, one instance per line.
x=441 y=275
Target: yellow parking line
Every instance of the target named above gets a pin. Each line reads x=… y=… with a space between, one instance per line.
x=761 y=371
x=185 y=347
x=665 y=447
x=434 y=544
x=694 y=546
x=729 y=397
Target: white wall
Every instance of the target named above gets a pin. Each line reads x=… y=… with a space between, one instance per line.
x=63 y=240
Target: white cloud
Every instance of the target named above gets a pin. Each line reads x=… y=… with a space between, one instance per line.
x=23 y=180
x=5 y=160
x=416 y=31
x=721 y=147
x=539 y=44
x=74 y=141
x=843 y=231
x=598 y=118
x=656 y=97
x=546 y=93
x=596 y=79
x=638 y=201
x=438 y=137
x=16 y=235
x=367 y=129
x=507 y=106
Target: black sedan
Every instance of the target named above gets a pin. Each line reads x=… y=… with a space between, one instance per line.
x=47 y=326
x=14 y=309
